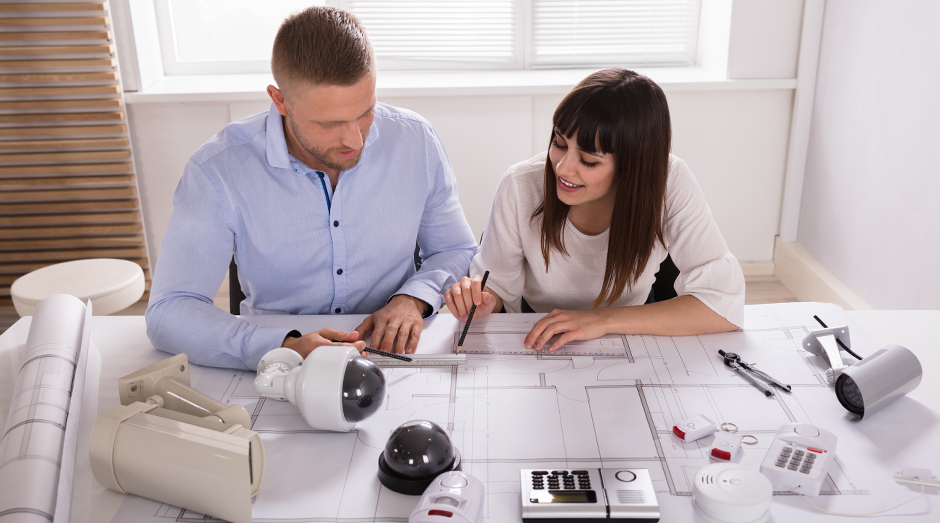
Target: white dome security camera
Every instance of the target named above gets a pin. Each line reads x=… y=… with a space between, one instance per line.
x=334 y=388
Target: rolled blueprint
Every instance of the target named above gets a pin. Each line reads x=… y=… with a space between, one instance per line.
x=34 y=438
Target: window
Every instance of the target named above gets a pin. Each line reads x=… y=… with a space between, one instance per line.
x=235 y=36
x=634 y=32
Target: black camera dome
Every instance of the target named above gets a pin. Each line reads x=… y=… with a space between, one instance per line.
x=416 y=453
x=363 y=389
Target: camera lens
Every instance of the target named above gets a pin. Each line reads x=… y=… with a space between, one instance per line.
x=849 y=396
x=363 y=389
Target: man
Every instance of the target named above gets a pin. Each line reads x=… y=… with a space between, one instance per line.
x=321 y=200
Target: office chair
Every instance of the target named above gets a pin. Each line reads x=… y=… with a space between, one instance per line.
x=664 y=287
x=235 y=294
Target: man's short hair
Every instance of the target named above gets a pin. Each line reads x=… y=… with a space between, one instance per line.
x=321 y=46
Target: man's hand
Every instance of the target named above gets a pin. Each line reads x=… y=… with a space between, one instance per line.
x=305 y=344
x=397 y=326
x=572 y=325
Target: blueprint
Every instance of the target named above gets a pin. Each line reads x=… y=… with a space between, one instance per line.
x=609 y=402
x=38 y=444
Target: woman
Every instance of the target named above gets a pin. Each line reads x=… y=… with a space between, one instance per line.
x=582 y=230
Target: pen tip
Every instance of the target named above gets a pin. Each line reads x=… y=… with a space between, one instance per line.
x=458 y=349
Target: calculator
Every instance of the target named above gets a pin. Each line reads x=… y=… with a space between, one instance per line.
x=570 y=496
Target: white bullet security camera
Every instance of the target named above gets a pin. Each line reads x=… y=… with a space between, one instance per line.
x=334 y=388
x=877 y=380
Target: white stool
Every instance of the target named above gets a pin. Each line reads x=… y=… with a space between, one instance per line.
x=111 y=285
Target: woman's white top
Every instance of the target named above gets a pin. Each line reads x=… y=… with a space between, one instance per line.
x=511 y=250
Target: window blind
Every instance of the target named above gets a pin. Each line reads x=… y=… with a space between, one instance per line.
x=607 y=32
x=457 y=31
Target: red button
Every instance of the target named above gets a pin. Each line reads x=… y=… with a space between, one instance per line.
x=811 y=449
x=437 y=512
x=679 y=434
x=721 y=454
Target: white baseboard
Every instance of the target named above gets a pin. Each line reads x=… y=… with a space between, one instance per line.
x=758 y=268
x=809 y=280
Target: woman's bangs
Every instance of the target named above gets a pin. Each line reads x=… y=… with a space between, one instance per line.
x=588 y=117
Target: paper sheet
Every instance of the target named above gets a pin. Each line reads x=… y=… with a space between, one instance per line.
x=37 y=450
x=609 y=403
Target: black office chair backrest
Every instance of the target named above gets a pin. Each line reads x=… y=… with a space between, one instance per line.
x=236 y=296
x=664 y=288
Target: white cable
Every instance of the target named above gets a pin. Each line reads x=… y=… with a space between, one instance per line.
x=800 y=489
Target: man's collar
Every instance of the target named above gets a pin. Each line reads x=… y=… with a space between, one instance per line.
x=276 y=146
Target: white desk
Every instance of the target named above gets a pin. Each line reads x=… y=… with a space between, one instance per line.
x=125 y=348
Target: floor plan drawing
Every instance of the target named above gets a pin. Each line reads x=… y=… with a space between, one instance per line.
x=610 y=402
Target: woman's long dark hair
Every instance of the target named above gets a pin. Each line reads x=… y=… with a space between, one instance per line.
x=623 y=113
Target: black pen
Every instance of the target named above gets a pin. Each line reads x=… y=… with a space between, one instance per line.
x=470 y=316
x=380 y=352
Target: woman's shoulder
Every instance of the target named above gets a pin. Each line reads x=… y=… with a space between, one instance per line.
x=679 y=179
x=677 y=169
x=524 y=181
x=528 y=171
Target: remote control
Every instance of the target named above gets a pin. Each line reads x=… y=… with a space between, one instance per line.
x=726 y=446
x=694 y=428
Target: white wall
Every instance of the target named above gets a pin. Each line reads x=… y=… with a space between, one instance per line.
x=768 y=32
x=870 y=209
x=734 y=141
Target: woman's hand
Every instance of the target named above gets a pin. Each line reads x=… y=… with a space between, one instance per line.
x=572 y=325
x=468 y=292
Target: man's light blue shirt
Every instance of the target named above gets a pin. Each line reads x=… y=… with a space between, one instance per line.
x=300 y=246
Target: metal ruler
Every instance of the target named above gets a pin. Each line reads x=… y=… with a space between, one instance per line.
x=422 y=360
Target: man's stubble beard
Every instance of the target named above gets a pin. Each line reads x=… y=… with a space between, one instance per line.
x=323 y=155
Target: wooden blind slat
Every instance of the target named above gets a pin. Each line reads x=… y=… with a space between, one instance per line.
x=60 y=243
x=56 y=64
x=66 y=156
x=44 y=21
x=66 y=181
x=57 y=77
x=74 y=90
x=62 y=207
x=57 y=6
x=70 y=218
x=87 y=230
x=61 y=117
x=62 y=104
x=80 y=168
x=70 y=194
x=73 y=254
x=55 y=49
x=55 y=35
x=63 y=144
x=61 y=131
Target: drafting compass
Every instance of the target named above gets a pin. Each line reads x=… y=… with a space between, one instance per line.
x=751 y=374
